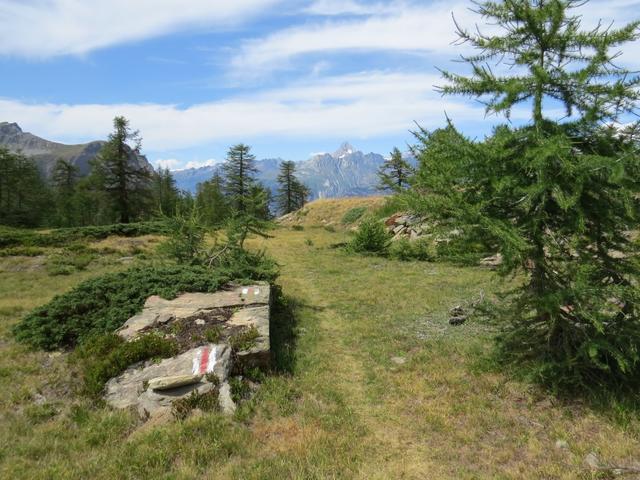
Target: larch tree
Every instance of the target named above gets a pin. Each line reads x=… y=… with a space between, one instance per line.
x=211 y=201
x=554 y=196
x=126 y=183
x=64 y=179
x=395 y=172
x=24 y=195
x=239 y=172
x=165 y=193
x=292 y=194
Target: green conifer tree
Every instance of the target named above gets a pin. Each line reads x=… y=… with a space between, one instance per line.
x=126 y=183
x=395 y=172
x=211 y=201
x=165 y=192
x=24 y=195
x=553 y=197
x=64 y=179
x=239 y=171
x=292 y=194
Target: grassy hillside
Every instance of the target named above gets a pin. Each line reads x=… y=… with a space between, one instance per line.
x=330 y=211
x=375 y=384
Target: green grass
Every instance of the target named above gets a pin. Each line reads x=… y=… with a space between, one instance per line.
x=338 y=406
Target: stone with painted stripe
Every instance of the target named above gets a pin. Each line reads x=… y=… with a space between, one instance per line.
x=129 y=388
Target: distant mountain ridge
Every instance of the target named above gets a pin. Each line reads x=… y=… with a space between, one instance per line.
x=347 y=172
x=46 y=153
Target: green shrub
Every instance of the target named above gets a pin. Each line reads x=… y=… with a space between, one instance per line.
x=240 y=389
x=207 y=402
x=466 y=249
x=353 y=215
x=245 y=339
x=405 y=249
x=10 y=237
x=392 y=205
x=371 y=237
x=103 y=357
x=186 y=233
x=330 y=228
x=69 y=261
x=297 y=228
x=21 y=252
x=103 y=304
x=213 y=334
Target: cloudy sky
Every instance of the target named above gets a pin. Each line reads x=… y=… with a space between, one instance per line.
x=288 y=77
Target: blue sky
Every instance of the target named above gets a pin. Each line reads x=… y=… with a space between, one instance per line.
x=290 y=78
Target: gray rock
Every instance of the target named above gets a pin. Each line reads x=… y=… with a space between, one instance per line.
x=157 y=310
x=458 y=315
x=458 y=320
x=175 y=381
x=150 y=402
x=258 y=355
x=562 y=445
x=399 y=360
x=131 y=388
x=592 y=461
x=227 y=405
x=493 y=261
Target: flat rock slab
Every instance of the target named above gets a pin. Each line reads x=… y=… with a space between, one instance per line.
x=210 y=362
x=158 y=311
x=259 y=354
x=152 y=388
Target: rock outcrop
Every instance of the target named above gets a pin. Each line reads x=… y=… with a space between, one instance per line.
x=219 y=335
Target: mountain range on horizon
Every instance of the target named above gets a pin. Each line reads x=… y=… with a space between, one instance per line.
x=347 y=172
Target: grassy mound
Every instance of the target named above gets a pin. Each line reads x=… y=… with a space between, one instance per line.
x=332 y=211
x=103 y=304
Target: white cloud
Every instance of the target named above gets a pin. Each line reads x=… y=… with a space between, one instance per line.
x=393 y=27
x=44 y=28
x=353 y=106
x=349 y=7
x=427 y=29
x=170 y=163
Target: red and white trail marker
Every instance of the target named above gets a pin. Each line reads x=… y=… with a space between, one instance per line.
x=204 y=361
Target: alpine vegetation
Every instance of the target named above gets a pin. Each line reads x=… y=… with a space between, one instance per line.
x=555 y=198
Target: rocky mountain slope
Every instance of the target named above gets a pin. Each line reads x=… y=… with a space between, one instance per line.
x=347 y=172
x=46 y=152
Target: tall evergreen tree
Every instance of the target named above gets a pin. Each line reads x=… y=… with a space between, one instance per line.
x=239 y=171
x=292 y=193
x=165 y=192
x=126 y=183
x=555 y=198
x=64 y=179
x=258 y=202
x=211 y=202
x=24 y=195
x=395 y=172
